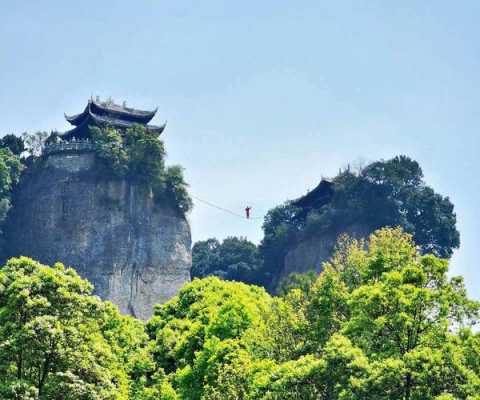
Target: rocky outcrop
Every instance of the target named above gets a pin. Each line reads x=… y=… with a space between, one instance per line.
x=136 y=252
x=309 y=252
x=308 y=255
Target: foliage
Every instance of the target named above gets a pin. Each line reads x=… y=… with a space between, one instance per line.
x=14 y=143
x=53 y=342
x=10 y=172
x=400 y=309
x=303 y=282
x=139 y=156
x=201 y=326
x=382 y=321
x=233 y=259
x=393 y=193
x=11 y=169
x=384 y=193
x=109 y=147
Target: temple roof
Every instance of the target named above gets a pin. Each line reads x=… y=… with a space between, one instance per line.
x=317 y=197
x=98 y=113
x=110 y=109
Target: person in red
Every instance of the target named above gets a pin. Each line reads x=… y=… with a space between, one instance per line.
x=247 y=211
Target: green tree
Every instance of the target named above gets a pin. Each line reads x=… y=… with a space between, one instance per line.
x=235 y=258
x=146 y=155
x=174 y=188
x=194 y=333
x=109 y=146
x=382 y=321
x=52 y=336
x=11 y=169
x=400 y=310
x=14 y=143
x=136 y=154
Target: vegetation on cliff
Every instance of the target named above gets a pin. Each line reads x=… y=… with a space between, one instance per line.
x=10 y=171
x=382 y=321
x=383 y=193
x=11 y=167
x=139 y=156
x=134 y=154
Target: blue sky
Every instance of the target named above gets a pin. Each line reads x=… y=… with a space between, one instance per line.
x=264 y=98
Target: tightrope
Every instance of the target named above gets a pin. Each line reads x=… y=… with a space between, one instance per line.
x=224 y=209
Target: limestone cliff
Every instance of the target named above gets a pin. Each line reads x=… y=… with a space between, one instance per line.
x=136 y=252
x=312 y=245
x=309 y=252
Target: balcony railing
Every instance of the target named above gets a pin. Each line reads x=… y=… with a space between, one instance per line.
x=71 y=147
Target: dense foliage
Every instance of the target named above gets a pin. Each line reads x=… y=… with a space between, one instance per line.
x=381 y=322
x=139 y=156
x=384 y=193
x=14 y=143
x=56 y=340
x=10 y=171
x=11 y=168
x=234 y=259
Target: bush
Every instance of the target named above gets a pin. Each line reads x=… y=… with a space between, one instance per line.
x=233 y=259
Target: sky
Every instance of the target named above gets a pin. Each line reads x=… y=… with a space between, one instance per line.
x=263 y=99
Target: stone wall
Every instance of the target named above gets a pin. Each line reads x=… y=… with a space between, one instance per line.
x=134 y=251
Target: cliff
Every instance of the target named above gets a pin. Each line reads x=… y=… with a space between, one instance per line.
x=311 y=251
x=313 y=229
x=385 y=193
x=67 y=208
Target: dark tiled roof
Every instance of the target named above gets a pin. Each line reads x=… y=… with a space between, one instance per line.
x=109 y=114
x=316 y=197
x=110 y=109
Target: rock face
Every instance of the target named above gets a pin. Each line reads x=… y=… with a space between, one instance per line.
x=134 y=251
x=309 y=253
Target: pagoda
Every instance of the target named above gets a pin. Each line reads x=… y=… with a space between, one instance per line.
x=108 y=114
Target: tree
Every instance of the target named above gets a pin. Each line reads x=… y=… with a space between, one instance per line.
x=235 y=258
x=195 y=333
x=401 y=311
x=136 y=154
x=382 y=321
x=10 y=171
x=52 y=336
x=146 y=154
x=110 y=148
x=14 y=143
x=172 y=188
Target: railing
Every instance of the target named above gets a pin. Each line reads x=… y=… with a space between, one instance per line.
x=74 y=147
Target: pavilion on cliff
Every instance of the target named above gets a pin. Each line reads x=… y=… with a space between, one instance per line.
x=108 y=114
